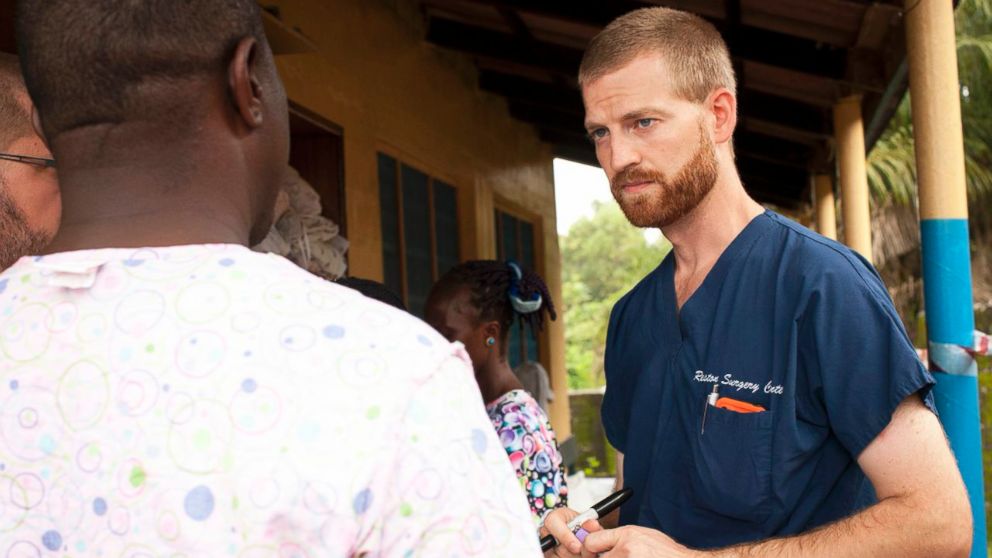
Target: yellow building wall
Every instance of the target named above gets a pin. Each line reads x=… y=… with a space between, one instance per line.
x=390 y=91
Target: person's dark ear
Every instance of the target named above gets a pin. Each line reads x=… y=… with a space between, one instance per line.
x=491 y=330
x=243 y=81
x=36 y=124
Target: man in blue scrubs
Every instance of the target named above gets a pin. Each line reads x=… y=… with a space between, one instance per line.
x=822 y=440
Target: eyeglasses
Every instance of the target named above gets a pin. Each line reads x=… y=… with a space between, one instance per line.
x=27 y=159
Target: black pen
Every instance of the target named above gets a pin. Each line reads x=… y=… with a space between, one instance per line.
x=598 y=510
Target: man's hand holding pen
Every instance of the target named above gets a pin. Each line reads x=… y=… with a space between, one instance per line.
x=567 y=529
x=567 y=533
x=556 y=525
x=627 y=541
x=634 y=542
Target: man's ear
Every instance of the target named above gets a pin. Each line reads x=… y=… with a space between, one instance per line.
x=36 y=124
x=245 y=87
x=723 y=105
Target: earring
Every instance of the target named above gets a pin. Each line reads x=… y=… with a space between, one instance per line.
x=491 y=341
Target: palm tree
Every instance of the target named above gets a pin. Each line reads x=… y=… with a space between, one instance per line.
x=892 y=167
x=892 y=164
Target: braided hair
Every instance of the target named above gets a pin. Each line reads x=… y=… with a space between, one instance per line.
x=492 y=284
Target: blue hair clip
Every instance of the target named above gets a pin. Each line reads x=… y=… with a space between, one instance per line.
x=519 y=304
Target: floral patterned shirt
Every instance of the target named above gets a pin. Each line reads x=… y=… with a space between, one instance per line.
x=526 y=434
x=212 y=401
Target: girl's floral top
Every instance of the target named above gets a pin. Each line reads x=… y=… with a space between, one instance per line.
x=526 y=434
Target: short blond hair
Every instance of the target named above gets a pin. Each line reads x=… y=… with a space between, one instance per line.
x=695 y=51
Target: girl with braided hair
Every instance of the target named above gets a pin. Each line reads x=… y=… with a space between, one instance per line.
x=475 y=303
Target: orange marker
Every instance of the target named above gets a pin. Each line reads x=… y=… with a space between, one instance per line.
x=738 y=406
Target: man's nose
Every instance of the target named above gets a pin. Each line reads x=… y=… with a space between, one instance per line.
x=623 y=152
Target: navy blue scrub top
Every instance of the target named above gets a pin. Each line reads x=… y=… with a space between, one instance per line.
x=788 y=320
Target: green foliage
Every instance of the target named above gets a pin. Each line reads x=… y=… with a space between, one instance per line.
x=891 y=163
x=603 y=257
x=595 y=456
x=593 y=463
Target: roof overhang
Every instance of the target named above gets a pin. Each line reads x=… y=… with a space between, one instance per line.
x=794 y=60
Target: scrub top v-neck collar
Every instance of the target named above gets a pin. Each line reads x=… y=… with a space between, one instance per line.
x=680 y=318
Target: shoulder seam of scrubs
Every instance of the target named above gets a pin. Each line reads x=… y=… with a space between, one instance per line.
x=849 y=255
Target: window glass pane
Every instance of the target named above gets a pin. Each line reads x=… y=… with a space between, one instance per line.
x=514 y=346
x=417 y=233
x=515 y=240
x=532 y=345
x=509 y=226
x=445 y=227
x=527 y=245
x=527 y=259
x=389 y=217
x=498 y=235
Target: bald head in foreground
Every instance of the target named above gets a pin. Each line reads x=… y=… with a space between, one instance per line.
x=166 y=390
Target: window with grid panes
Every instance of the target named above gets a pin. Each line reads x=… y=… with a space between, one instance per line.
x=515 y=241
x=419 y=220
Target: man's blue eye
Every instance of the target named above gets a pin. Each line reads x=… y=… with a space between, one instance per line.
x=644 y=122
x=597 y=134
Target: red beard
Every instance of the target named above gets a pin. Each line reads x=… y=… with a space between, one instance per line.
x=671 y=200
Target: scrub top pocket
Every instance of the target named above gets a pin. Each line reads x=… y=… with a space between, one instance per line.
x=731 y=473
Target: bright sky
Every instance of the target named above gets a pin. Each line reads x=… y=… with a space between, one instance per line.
x=576 y=187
